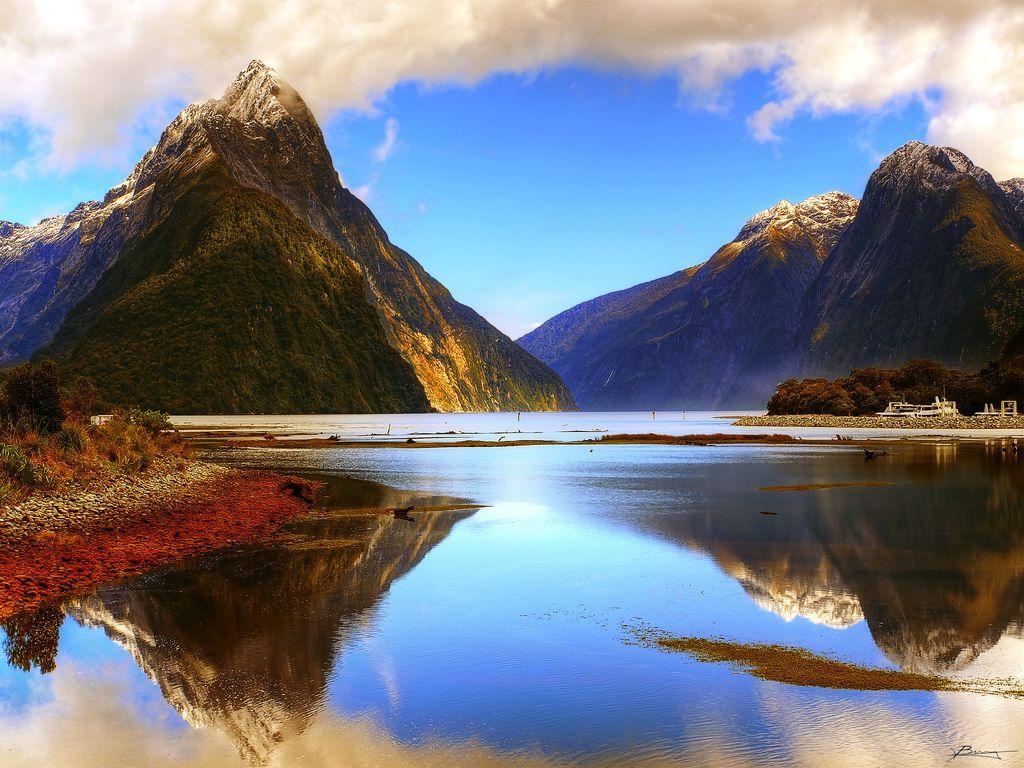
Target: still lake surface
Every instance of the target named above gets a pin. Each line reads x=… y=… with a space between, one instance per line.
x=501 y=635
x=579 y=425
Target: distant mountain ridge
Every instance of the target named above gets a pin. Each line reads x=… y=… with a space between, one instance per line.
x=929 y=264
x=716 y=335
x=166 y=294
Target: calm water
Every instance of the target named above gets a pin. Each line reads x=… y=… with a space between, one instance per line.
x=496 y=636
x=540 y=426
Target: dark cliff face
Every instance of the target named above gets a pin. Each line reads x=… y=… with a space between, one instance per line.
x=931 y=267
x=260 y=137
x=47 y=269
x=717 y=335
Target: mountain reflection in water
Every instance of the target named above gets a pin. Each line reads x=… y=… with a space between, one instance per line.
x=245 y=642
x=505 y=646
x=934 y=563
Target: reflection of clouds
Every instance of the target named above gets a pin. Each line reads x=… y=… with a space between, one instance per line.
x=816 y=731
x=1003 y=660
x=384 y=667
x=868 y=729
x=96 y=722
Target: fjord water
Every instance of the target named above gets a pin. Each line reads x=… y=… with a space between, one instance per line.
x=502 y=634
x=559 y=426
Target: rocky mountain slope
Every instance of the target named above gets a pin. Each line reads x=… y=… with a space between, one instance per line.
x=167 y=289
x=932 y=267
x=929 y=265
x=719 y=334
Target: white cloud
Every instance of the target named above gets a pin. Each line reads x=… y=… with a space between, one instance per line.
x=364 y=192
x=84 y=75
x=386 y=148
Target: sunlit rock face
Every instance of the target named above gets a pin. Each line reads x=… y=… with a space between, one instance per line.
x=717 y=335
x=782 y=573
x=246 y=643
x=260 y=138
x=825 y=601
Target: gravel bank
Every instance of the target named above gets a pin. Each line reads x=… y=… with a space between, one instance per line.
x=57 y=546
x=881 y=422
x=122 y=498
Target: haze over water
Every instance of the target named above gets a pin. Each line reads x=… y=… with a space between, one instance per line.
x=502 y=635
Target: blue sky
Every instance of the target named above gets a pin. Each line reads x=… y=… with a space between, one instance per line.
x=528 y=194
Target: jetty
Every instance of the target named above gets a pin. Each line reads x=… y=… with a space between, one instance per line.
x=941 y=408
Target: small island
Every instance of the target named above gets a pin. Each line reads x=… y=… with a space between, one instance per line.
x=880 y=398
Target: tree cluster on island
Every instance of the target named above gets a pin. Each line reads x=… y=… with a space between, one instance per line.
x=867 y=391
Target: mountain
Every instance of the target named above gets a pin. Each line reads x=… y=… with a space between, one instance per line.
x=233 y=272
x=932 y=267
x=928 y=265
x=718 y=334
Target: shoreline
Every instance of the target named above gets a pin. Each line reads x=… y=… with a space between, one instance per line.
x=981 y=423
x=58 y=544
x=54 y=546
x=694 y=440
x=647 y=438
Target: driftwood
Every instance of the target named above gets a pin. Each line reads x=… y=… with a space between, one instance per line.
x=403 y=514
x=300 y=489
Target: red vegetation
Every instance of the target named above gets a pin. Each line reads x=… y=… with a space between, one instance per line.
x=716 y=438
x=243 y=507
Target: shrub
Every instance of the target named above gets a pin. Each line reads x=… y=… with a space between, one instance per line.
x=31 y=639
x=154 y=422
x=73 y=437
x=30 y=398
x=80 y=399
x=15 y=465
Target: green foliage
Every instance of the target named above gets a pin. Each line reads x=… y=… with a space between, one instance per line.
x=15 y=464
x=80 y=400
x=868 y=390
x=31 y=639
x=30 y=398
x=153 y=422
x=15 y=467
x=231 y=304
x=79 y=450
x=72 y=438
